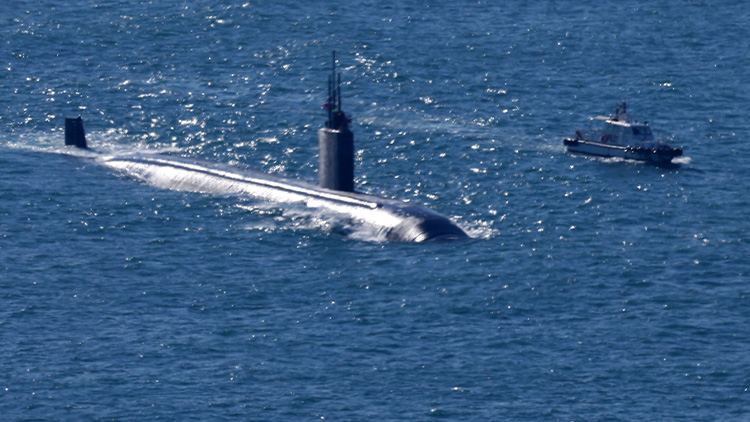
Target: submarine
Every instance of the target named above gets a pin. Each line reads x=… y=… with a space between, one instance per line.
x=384 y=218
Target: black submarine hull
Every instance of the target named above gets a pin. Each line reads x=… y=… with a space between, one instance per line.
x=384 y=218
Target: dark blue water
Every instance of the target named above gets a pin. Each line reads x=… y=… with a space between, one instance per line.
x=592 y=289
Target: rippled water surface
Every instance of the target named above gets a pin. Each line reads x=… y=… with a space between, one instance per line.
x=592 y=289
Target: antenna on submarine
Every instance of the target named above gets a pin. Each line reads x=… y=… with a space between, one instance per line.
x=335 y=140
x=337 y=119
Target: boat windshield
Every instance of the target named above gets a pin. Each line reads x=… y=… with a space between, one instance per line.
x=641 y=130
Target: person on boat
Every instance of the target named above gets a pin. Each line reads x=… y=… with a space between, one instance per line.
x=340 y=120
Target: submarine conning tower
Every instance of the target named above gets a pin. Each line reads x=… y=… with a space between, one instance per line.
x=335 y=141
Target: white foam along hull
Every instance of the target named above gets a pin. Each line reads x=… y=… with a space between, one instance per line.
x=658 y=155
x=391 y=219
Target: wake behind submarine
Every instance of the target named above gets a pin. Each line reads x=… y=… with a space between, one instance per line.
x=383 y=217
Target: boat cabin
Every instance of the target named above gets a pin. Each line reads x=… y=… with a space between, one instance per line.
x=626 y=133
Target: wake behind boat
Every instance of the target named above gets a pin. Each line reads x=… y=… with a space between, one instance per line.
x=624 y=138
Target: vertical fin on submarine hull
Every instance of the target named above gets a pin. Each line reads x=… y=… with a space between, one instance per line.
x=74 y=134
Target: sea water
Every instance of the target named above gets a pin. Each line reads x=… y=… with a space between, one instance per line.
x=592 y=289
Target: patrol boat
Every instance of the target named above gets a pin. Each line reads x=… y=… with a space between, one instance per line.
x=624 y=138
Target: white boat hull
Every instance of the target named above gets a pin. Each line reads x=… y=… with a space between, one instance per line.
x=658 y=155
